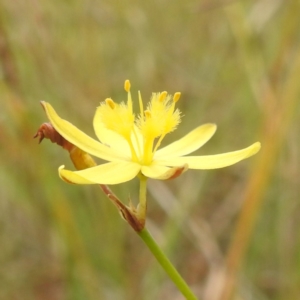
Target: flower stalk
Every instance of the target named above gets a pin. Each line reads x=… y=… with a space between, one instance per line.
x=134 y=217
x=130 y=145
x=166 y=265
x=142 y=206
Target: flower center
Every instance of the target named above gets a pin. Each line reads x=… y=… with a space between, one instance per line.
x=158 y=119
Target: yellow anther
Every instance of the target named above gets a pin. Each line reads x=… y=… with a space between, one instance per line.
x=127 y=85
x=162 y=96
x=147 y=114
x=110 y=103
x=176 y=96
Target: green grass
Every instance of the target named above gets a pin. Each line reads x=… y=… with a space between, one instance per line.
x=237 y=64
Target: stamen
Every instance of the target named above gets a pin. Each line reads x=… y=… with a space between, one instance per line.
x=162 y=96
x=129 y=102
x=127 y=85
x=110 y=103
x=148 y=150
x=141 y=103
x=158 y=142
x=176 y=96
x=139 y=150
x=133 y=152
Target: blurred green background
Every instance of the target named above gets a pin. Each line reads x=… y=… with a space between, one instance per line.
x=232 y=233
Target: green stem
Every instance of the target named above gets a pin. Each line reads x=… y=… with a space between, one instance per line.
x=142 y=207
x=166 y=264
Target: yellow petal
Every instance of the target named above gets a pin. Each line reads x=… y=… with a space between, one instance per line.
x=111 y=139
x=79 y=138
x=211 y=161
x=137 y=140
x=162 y=172
x=189 y=143
x=72 y=177
x=115 y=140
x=109 y=173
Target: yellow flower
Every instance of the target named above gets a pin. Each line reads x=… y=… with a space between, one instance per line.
x=131 y=143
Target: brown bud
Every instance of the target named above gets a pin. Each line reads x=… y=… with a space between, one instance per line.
x=47 y=131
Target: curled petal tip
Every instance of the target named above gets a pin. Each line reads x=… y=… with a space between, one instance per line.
x=60 y=173
x=255 y=148
x=175 y=172
x=43 y=103
x=164 y=173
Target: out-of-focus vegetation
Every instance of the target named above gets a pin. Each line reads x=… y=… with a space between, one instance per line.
x=232 y=232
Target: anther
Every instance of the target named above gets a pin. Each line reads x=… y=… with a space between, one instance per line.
x=127 y=85
x=176 y=96
x=162 y=96
x=110 y=103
